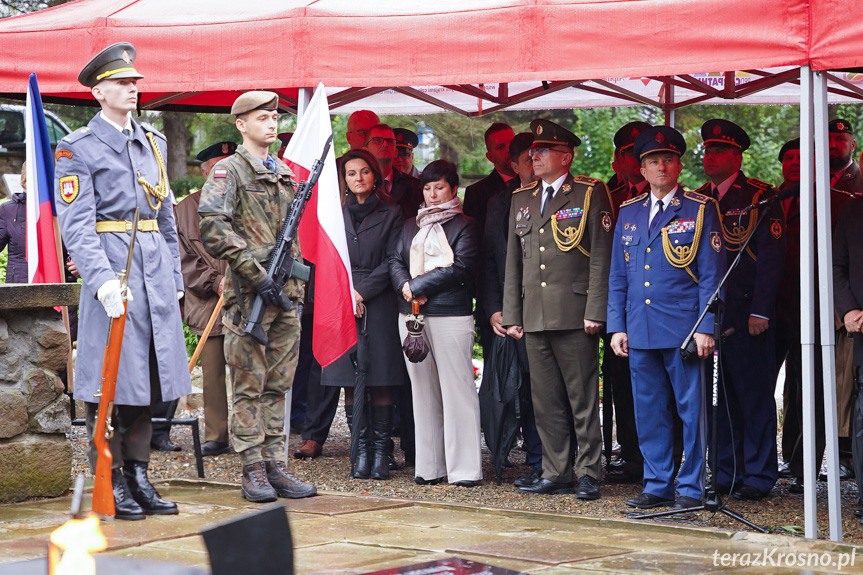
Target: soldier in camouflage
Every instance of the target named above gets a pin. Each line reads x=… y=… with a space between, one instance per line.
x=242 y=195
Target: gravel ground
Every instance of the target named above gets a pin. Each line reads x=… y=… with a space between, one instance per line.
x=781 y=512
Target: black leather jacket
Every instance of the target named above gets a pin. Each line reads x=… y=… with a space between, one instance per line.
x=448 y=289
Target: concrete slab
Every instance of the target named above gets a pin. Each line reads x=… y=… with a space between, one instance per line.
x=429 y=539
x=651 y=562
x=540 y=549
x=336 y=557
x=340 y=505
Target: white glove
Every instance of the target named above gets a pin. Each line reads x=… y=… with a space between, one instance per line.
x=180 y=294
x=111 y=299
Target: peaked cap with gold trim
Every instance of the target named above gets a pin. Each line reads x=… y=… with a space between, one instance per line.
x=547 y=134
x=113 y=63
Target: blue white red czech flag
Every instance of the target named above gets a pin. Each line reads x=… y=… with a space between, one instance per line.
x=43 y=264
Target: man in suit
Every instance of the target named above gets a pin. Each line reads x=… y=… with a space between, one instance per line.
x=746 y=459
x=493 y=257
x=617 y=383
x=555 y=294
x=665 y=265
x=398 y=189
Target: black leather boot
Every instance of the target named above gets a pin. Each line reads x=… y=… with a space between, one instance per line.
x=256 y=487
x=143 y=492
x=382 y=426
x=124 y=506
x=361 y=467
x=286 y=483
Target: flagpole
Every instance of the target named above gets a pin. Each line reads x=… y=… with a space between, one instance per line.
x=64 y=311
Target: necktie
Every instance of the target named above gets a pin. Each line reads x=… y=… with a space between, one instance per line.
x=654 y=223
x=714 y=192
x=546 y=199
x=633 y=192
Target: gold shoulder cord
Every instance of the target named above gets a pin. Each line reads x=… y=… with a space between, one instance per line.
x=571 y=237
x=160 y=190
x=682 y=256
x=738 y=236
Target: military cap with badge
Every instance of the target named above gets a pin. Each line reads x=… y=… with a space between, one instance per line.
x=547 y=134
x=255 y=100
x=658 y=140
x=625 y=137
x=839 y=126
x=406 y=141
x=114 y=62
x=216 y=151
x=719 y=132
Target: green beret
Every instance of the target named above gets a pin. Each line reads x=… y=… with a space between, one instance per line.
x=255 y=100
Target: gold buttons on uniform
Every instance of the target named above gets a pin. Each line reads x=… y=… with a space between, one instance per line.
x=542 y=248
x=542 y=230
x=647 y=301
x=647 y=267
x=646 y=284
x=647 y=250
x=542 y=266
x=543 y=284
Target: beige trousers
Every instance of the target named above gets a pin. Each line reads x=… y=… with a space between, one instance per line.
x=446 y=406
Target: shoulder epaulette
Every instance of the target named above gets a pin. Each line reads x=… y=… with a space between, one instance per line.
x=758 y=183
x=149 y=128
x=77 y=135
x=530 y=186
x=634 y=200
x=586 y=180
x=696 y=197
x=704 y=187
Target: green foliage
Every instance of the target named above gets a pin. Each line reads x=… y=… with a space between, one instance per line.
x=3 y=258
x=182 y=187
x=191 y=340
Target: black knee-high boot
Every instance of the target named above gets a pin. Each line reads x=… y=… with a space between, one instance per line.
x=360 y=468
x=382 y=425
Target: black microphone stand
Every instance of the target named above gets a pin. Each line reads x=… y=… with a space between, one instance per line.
x=712 y=502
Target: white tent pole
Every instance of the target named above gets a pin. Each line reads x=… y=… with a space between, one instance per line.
x=303 y=99
x=807 y=297
x=825 y=284
x=670 y=113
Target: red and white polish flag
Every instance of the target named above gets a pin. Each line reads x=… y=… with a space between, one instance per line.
x=322 y=234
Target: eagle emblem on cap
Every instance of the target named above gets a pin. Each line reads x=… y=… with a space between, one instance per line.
x=659 y=137
x=126 y=58
x=539 y=130
x=717 y=130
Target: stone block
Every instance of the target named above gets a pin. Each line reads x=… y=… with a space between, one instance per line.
x=13 y=414
x=42 y=390
x=53 y=419
x=31 y=296
x=4 y=334
x=53 y=342
x=35 y=466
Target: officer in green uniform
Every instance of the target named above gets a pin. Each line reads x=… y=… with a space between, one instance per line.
x=555 y=292
x=242 y=207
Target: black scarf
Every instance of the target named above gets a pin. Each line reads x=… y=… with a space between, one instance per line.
x=359 y=211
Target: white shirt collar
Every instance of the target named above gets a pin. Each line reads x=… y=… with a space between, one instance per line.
x=665 y=201
x=725 y=185
x=555 y=184
x=119 y=128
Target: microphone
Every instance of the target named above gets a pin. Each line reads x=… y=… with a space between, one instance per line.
x=782 y=195
x=691 y=350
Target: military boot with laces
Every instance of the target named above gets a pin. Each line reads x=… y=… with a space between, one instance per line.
x=256 y=488
x=286 y=483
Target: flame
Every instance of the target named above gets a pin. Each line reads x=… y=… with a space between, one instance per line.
x=76 y=540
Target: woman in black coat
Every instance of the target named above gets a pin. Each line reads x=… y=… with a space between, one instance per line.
x=372 y=228
x=433 y=264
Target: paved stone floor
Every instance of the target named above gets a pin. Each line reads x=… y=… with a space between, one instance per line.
x=338 y=533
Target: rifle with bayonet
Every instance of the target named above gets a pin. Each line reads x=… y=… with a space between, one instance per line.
x=103 y=492
x=281 y=266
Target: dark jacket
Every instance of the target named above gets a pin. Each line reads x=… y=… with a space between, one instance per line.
x=493 y=255
x=13 y=232
x=406 y=193
x=369 y=246
x=476 y=196
x=448 y=289
x=848 y=267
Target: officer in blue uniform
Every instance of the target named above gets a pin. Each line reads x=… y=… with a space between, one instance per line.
x=666 y=262
x=746 y=458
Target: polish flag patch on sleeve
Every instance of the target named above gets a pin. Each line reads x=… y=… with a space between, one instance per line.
x=220 y=173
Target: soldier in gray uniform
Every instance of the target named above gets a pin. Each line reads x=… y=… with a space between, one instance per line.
x=242 y=207
x=104 y=171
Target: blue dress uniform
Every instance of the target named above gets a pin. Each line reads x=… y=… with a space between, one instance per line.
x=748 y=364
x=655 y=299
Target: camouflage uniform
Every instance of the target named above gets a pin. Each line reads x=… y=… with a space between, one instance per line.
x=237 y=209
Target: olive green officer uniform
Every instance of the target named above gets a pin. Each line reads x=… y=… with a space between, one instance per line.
x=556 y=277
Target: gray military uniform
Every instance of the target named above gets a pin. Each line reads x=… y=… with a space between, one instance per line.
x=105 y=166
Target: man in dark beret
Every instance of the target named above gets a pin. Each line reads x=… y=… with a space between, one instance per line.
x=105 y=171
x=666 y=263
x=746 y=460
x=204 y=277
x=555 y=295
